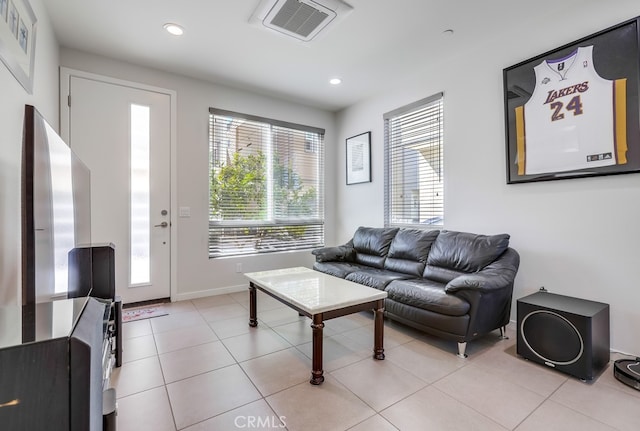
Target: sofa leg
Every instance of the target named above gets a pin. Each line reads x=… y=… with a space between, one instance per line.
x=461 y=349
x=503 y=333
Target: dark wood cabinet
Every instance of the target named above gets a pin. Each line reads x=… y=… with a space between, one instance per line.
x=55 y=359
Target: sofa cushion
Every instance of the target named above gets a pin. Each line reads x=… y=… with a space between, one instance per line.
x=372 y=245
x=441 y=275
x=466 y=252
x=428 y=295
x=337 y=269
x=376 y=278
x=432 y=323
x=409 y=249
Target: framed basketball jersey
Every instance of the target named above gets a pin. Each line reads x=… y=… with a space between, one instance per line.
x=573 y=112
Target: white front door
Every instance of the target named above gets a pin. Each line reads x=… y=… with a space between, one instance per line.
x=123 y=134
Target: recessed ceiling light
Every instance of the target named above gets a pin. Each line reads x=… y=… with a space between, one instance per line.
x=174 y=29
x=335 y=81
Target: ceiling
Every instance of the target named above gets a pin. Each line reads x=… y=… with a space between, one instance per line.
x=377 y=43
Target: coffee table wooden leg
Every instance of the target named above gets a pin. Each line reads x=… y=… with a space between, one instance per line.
x=378 y=346
x=317 y=372
x=253 y=319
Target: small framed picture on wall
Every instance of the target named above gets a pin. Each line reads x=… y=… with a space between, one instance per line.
x=12 y=20
x=4 y=7
x=23 y=36
x=359 y=158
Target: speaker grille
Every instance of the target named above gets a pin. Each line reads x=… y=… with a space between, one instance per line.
x=552 y=337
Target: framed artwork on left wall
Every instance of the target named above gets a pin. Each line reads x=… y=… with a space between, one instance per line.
x=359 y=158
x=18 y=40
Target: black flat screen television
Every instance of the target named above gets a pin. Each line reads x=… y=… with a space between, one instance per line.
x=56 y=212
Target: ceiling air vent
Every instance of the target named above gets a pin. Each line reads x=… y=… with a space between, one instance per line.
x=302 y=19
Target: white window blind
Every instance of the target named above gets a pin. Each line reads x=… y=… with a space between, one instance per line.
x=414 y=175
x=266 y=185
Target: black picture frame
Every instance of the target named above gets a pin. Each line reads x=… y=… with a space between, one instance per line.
x=358 y=158
x=552 y=137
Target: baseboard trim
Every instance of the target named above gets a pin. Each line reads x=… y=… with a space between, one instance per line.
x=210 y=292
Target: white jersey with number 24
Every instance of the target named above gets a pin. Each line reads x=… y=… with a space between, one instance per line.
x=575 y=119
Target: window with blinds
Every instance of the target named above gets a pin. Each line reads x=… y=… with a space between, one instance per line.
x=266 y=183
x=414 y=192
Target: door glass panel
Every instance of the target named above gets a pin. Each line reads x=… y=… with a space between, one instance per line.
x=140 y=197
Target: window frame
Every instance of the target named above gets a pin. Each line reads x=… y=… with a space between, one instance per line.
x=275 y=223
x=388 y=118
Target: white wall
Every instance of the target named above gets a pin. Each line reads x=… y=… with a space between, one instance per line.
x=197 y=275
x=13 y=97
x=577 y=237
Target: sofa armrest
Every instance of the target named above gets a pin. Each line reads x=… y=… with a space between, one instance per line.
x=498 y=275
x=489 y=292
x=341 y=253
x=477 y=282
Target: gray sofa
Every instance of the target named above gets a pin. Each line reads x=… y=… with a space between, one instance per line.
x=455 y=285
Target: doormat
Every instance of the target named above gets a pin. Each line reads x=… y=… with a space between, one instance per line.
x=142 y=313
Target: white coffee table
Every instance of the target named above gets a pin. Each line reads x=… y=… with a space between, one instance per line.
x=320 y=297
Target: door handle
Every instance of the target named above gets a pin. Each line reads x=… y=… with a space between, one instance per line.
x=163 y=224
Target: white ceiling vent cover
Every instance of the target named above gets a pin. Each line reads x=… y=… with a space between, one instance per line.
x=302 y=19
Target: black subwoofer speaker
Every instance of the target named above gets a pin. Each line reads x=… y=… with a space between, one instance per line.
x=565 y=333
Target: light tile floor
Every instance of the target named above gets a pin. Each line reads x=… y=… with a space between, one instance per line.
x=203 y=368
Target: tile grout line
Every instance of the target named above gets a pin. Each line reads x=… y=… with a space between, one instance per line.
x=238 y=363
x=166 y=389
